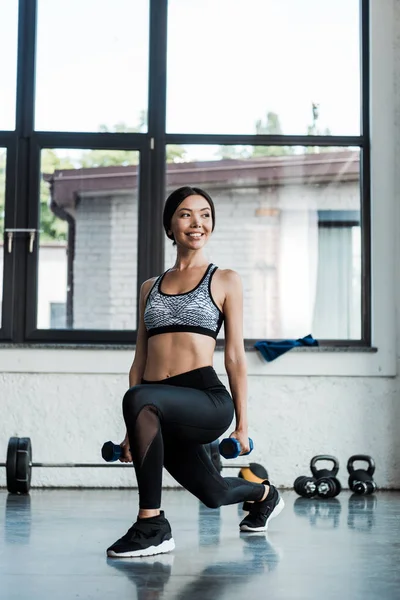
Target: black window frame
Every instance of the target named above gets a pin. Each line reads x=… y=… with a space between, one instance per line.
x=24 y=146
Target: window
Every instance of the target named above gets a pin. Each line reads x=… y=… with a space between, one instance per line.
x=273 y=208
x=92 y=73
x=8 y=68
x=111 y=117
x=2 y=213
x=88 y=239
x=276 y=56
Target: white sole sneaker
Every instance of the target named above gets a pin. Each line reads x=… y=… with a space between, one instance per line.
x=166 y=546
x=277 y=510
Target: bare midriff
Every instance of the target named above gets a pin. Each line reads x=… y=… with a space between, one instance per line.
x=170 y=354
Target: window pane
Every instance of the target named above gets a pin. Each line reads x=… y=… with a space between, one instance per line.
x=8 y=68
x=2 y=205
x=88 y=240
x=259 y=66
x=92 y=65
x=288 y=220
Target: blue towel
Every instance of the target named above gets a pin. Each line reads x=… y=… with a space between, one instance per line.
x=271 y=350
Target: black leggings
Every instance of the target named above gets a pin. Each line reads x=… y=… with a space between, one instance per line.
x=168 y=423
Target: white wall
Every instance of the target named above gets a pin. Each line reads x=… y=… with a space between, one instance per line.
x=68 y=401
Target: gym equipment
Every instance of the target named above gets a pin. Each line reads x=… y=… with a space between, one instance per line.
x=228 y=448
x=231 y=448
x=360 y=480
x=254 y=472
x=19 y=464
x=328 y=486
x=18 y=467
x=111 y=452
x=305 y=486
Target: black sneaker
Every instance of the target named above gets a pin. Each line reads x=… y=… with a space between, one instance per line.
x=146 y=537
x=261 y=512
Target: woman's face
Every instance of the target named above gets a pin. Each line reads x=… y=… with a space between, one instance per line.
x=192 y=222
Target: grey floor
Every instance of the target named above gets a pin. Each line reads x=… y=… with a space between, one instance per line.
x=53 y=546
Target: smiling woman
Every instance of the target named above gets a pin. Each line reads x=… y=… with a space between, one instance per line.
x=176 y=403
x=194 y=218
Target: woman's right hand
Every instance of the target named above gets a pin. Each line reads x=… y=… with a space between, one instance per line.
x=126 y=455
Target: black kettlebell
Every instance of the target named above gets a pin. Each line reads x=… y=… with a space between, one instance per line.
x=305 y=486
x=360 y=480
x=328 y=486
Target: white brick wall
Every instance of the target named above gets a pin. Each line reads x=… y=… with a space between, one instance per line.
x=105 y=263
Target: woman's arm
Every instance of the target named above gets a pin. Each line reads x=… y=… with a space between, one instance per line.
x=235 y=357
x=139 y=362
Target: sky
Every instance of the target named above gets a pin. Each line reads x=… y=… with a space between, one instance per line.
x=229 y=63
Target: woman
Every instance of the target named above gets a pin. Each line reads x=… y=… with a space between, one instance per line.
x=176 y=403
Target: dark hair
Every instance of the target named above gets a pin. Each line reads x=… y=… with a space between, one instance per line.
x=176 y=198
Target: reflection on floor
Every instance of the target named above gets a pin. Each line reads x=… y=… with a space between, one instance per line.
x=53 y=546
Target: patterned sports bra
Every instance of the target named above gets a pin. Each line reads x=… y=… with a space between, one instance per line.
x=194 y=311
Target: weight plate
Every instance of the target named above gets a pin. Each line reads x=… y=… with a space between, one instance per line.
x=254 y=472
x=24 y=466
x=11 y=465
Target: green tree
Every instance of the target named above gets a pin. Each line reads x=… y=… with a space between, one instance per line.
x=51 y=226
x=113 y=158
x=270 y=126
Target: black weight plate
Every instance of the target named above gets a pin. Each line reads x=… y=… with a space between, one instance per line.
x=24 y=466
x=11 y=465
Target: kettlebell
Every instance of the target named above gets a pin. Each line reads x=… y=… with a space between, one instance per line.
x=360 y=480
x=328 y=486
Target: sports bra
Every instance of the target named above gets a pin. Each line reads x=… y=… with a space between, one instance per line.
x=194 y=311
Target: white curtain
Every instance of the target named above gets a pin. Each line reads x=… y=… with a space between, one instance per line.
x=337 y=313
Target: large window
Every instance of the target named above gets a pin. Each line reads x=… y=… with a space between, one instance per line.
x=88 y=240
x=2 y=213
x=285 y=220
x=275 y=56
x=111 y=115
x=92 y=65
x=8 y=64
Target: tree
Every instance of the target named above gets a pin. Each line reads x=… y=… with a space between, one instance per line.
x=271 y=126
x=313 y=129
x=112 y=158
x=51 y=226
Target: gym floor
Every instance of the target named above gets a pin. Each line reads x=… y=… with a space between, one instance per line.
x=53 y=546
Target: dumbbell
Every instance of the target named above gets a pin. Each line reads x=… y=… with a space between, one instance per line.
x=228 y=448
x=328 y=486
x=111 y=452
x=360 y=480
x=305 y=486
x=320 y=483
x=231 y=448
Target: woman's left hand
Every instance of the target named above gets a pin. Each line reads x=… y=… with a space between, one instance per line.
x=243 y=438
